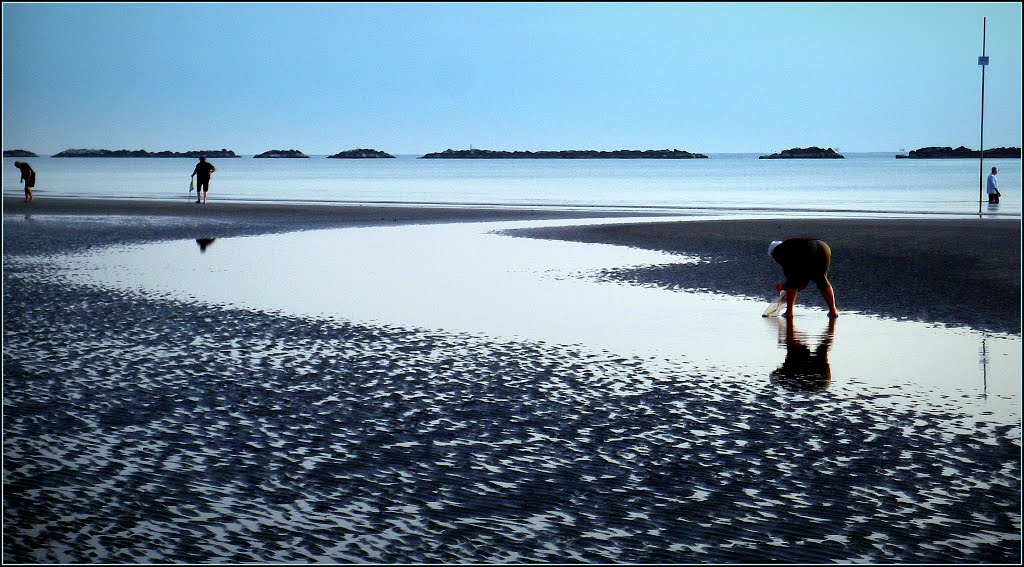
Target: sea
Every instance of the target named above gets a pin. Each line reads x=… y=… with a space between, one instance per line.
x=727 y=183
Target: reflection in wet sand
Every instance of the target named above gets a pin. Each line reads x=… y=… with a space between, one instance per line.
x=204 y=243
x=805 y=368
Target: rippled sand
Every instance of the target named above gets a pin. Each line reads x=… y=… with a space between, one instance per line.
x=140 y=431
x=151 y=430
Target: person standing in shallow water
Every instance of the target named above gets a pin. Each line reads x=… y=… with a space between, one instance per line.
x=804 y=260
x=28 y=175
x=202 y=173
x=992 y=187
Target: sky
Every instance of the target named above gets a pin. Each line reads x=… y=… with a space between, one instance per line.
x=411 y=78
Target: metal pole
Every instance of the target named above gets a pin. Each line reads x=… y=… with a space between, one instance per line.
x=981 y=164
x=984 y=367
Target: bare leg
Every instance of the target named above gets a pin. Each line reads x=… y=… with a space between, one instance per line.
x=830 y=299
x=790 y=300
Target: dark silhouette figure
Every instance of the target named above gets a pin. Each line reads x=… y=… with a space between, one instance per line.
x=804 y=369
x=28 y=175
x=204 y=243
x=804 y=260
x=202 y=173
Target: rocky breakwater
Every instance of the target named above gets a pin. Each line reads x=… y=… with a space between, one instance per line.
x=565 y=154
x=361 y=154
x=805 y=153
x=936 y=152
x=222 y=153
x=19 y=153
x=281 y=154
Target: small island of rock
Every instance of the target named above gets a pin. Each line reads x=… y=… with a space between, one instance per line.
x=19 y=153
x=222 y=153
x=361 y=153
x=565 y=154
x=805 y=153
x=281 y=154
x=935 y=152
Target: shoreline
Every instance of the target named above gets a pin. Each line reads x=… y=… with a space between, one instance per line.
x=938 y=270
x=949 y=271
x=227 y=218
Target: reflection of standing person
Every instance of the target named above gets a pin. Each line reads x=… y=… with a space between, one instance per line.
x=805 y=369
x=804 y=260
x=992 y=185
x=202 y=173
x=28 y=175
x=204 y=243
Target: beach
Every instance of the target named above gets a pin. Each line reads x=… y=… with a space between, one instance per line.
x=146 y=429
x=951 y=271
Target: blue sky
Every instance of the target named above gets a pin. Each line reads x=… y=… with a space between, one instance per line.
x=415 y=77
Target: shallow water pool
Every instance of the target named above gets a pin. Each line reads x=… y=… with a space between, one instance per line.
x=466 y=278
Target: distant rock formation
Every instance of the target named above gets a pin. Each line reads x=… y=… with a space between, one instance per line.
x=935 y=152
x=805 y=153
x=361 y=153
x=222 y=153
x=281 y=154
x=19 y=153
x=566 y=154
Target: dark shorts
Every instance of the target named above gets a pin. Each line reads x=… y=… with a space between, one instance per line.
x=202 y=184
x=31 y=181
x=804 y=260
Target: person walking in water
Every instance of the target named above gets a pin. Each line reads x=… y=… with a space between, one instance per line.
x=992 y=186
x=28 y=175
x=202 y=173
x=804 y=260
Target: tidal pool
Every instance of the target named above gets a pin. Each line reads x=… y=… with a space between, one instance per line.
x=466 y=278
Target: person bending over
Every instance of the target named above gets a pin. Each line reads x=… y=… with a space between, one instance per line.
x=28 y=175
x=804 y=260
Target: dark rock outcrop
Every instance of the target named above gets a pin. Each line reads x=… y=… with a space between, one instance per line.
x=281 y=154
x=19 y=153
x=566 y=154
x=812 y=152
x=222 y=153
x=935 y=152
x=361 y=153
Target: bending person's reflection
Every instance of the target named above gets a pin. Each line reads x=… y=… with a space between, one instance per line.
x=204 y=243
x=804 y=369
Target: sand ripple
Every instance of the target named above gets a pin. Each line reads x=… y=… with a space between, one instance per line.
x=151 y=431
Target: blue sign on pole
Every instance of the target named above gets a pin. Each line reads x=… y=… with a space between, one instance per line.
x=983 y=61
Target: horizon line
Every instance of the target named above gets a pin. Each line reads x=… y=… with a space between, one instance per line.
x=408 y=153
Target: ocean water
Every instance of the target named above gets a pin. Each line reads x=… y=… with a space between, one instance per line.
x=861 y=183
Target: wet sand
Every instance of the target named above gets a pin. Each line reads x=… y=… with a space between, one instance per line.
x=141 y=429
x=952 y=271
x=139 y=220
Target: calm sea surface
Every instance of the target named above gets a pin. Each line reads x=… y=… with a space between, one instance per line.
x=865 y=182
